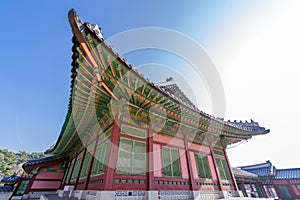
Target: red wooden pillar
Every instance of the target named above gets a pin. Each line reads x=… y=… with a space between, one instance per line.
x=217 y=170
x=267 y=190
x=112 y=157
x=230 y=171
x=91 y=164
x=190 y=169
x=263 y=189
x=79 y=171
x=66 y=173
x=150 y=163
x=75 y=159
x=250 y=182
x=258 y=188
x=244 y=189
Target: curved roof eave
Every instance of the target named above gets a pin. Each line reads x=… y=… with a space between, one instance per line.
x=78 y=27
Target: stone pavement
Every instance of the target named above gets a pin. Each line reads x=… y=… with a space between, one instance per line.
x=55 y=197
x=5 y=195
x=246 y=198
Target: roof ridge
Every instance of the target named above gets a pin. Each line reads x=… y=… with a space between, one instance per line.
x=259 y=164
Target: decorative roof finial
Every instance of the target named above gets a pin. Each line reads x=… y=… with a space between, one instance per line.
x=170 y=79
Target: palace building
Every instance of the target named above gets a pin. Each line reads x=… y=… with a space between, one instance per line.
x=124 y=136
x=266 y=181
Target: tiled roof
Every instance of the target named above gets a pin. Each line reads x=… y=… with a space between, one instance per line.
x=242 y=173
x=232 y=131
x=166 y=89
x=287 y=174
x=42 y=160
x=268 y=170
x=171 y=89
x=263 y=169
x=10 y=179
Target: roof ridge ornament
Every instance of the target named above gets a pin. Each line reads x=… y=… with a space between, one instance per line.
x=76 y=25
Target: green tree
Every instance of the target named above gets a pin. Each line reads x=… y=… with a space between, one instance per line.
x=4 y=162
x=10 y=162
x=22 y=156
x=9 y=157
x=37 y=155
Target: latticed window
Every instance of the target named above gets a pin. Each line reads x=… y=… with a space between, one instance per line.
x=87 y=160
x=223 y=169
x=100 y=159
x=131 y=157
x=66 y=174
x=219 y=152
x=75 y=171
x=171 y=164
x=203 y=166
x=298 y=187
x=133 y=131
x=85 y=166
x=285 y=192
x=76 y=167
x=70 y=170
x=22 y=187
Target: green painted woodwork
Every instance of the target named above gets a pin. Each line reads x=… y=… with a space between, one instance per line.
x=284 y=192
x=51 y=170
x=85 y=166
x=77 y=166
x=66 y=174
x=125 y=156
x=226 y=169
x=139 y=158
x=198 y=139
x=171 y=128
x=131 y=157
x=202 y=166
x=87 y=160
x=22 y=187
x=223 y=169
x=76 y=170
x=218 y=152
x=298 y=188
x=36 y=170
x=70 y=170
x=105 y=136
x=170 y=161
x=133 y=131
x=100 y=158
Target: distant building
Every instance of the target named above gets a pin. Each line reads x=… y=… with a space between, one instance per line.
x=9 y=180
x=266 y=181
x=125 y=136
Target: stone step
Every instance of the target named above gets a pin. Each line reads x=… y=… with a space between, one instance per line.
x=56 y=197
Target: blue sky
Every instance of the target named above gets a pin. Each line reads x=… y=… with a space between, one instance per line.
x=36 y=56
